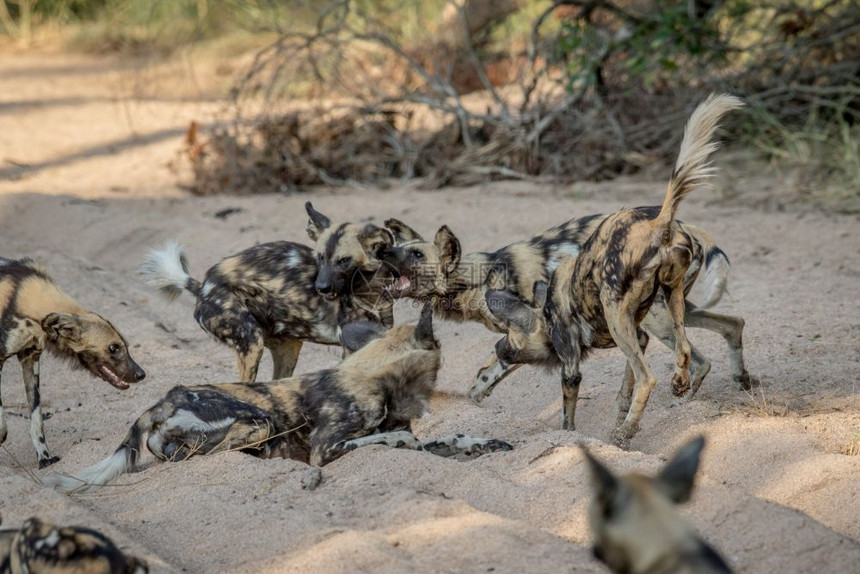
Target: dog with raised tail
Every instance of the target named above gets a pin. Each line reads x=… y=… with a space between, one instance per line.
x=635 y=525
x=39 y=547
x=278 y=295
x=371 y=397
x=600 y=299
x=37 y=316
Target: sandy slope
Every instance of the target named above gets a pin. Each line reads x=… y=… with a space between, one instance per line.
x=775 y=493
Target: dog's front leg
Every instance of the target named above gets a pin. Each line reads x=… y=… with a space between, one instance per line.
x=681 y=377
x=488 y=377
x=30 y=368
x=455 y=444
x=324 y=452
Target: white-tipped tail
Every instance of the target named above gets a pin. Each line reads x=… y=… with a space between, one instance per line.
x=167 y=270
x=692 y=170
x=98 y=474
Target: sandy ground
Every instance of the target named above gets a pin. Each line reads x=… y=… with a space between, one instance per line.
x=88 y=156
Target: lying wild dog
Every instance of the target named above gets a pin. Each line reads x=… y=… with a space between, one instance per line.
x=635 y=525
x=278 y=295
x=370 y=398
x=599 y=300
x=459 y=287
x=42 y=548
x=35 y=315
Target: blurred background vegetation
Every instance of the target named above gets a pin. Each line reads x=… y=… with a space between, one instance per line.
x=460 y=91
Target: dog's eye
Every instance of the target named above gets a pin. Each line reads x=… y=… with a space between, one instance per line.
x=417 y=255
x=344 y=261
x=113 y=348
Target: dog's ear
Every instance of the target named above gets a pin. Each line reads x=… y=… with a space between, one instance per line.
x=424 y=328
x=449 y=248
x=357 y=334
x=676 y=478
x=604 y=483
x=540 y=290
x=375 y=239
x=402 y=232
x=511 y=310
x=317 y=222
x=62 y=326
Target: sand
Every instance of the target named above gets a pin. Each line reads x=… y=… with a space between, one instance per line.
x=88 y=182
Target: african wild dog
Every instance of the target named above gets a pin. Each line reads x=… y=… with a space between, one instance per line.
x=35 y=315
x=278 y=295
x=635 y=525
x=42 y=548
x=459 y=287
x=599 y=299
x=370 y=398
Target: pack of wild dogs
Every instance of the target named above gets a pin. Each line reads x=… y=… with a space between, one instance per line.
x=593 y=282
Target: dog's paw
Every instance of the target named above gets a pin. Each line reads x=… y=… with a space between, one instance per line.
x=46 y=462
x=312 y=478
x=622 y=434
x=680 y=384
x=746 y=381
x=477 y=394
x=490 y=445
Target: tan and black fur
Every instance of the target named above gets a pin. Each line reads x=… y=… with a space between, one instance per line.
x=600 y=299
x=636 y=527
x=370 y=398
x=35 y=315
x=460 y=287
x=42 y=548
x=278 y=295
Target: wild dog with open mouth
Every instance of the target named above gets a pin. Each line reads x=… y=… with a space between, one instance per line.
x=504 y=289
x=35 y=315
x=635 y=525
x=599 y=300
x=278 y=295
x=370 y=398
x=42 y=548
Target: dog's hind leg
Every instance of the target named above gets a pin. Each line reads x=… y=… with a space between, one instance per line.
x=624 y=332
x=488 y=377
x=658 y=322
x=681 y=377
x=3 y=430
x=285 y=355
x=625 y=393
x=30 y=367
x=731 y=328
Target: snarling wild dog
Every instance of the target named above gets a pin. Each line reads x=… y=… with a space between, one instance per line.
x=35 y=315
x=635 y=525
x=42 y=548
x=600 y=299
x=460 y=287
x=370 y=398
x=278 y=295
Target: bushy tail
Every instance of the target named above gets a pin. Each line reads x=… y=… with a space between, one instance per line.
x=121 y=461
x=692 y=169
x=716 y=266
x=167 y=269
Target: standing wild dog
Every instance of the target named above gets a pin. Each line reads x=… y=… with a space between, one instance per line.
x=599 y=300
x=36 y=315
x=505 y=290
x=278 y=295
x=370 y=398
x=42 y=548
x=635 y=525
